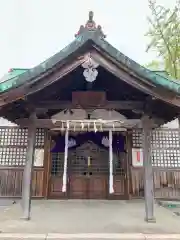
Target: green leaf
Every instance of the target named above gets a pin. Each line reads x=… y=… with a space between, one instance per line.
x=164 y=36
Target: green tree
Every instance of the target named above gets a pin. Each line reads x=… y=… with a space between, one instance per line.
x=155 y=65
x=164 y=35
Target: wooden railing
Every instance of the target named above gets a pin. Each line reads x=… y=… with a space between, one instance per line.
x=11 y=182
x=166 y=183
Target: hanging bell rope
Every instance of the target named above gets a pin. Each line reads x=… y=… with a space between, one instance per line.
x=111 y=180
x=82 y=125
x=64 y=186
x=62 y=128
x=74 y=127
x=95 y=128
x=88 y=126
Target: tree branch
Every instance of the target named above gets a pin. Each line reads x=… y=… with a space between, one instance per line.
x=152 y=6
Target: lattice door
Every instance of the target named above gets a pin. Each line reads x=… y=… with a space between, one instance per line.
x=89 y=157
x=78 y=162
x=57 y=164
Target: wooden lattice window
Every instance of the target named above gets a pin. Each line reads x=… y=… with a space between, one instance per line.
x=165 y=145
x=169 y=158
x=165 y=139
x=18 y=137
x=137 y=139
x=13 y=136
x=57 y=163
x=11 y=156
x=40 y=133
x=165 y=148
x=78 y=164
x=13 y=145
x=78 y=161
x=119 y=160
x=100 y=161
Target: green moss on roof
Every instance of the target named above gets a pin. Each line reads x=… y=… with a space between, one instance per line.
x=88 y=33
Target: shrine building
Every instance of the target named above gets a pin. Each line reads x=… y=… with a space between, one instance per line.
x=89 y=127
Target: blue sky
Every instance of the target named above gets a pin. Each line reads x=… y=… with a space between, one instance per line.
x=33 y=30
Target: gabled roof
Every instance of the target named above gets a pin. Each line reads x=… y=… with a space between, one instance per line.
x=90 y=33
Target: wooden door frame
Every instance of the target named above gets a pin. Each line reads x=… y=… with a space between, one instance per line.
x=125 y=196
x=129 y=161
x=48 y=162
x=47 y=171
x=126 y=165
x=47 y=152
x=87 y=193
x=70 y=173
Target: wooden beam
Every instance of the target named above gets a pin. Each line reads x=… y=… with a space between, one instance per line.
x=119 y=105
x=39 y=123
x=28 y=169
x=148 y=170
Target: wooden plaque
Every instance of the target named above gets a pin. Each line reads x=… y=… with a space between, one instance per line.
x=88 y=99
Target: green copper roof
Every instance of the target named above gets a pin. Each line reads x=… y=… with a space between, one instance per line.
x=86 y=33
x=13 y=72
x=8 y=80
x=162 y=73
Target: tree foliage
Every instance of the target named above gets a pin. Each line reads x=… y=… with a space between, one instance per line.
x=164 y=34
x=154 y=65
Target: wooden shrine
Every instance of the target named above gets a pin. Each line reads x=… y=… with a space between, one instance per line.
x=92 y=106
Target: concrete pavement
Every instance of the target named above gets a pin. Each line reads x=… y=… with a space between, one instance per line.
x=88 y=219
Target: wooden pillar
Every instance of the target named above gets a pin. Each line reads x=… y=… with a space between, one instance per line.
x=28 y=169
x=148 y=170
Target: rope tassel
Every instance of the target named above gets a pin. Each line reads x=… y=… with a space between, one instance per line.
x=111 y=180
x=64 y=186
